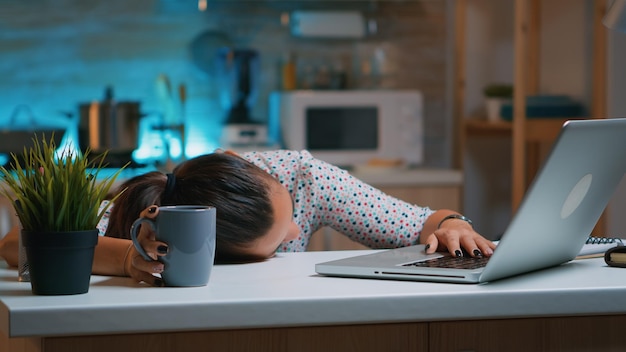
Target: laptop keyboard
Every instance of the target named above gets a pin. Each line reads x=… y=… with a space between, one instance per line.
x=451 y=262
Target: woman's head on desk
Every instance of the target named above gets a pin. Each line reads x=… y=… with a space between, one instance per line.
x=255 y=212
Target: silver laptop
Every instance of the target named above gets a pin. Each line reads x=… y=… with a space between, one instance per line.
x=558 y=213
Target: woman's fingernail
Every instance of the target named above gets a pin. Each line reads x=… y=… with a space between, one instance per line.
x=162 y=249
x=152 y=210
x=158 y=269
x=458 y=253
x=477 y=253
x=427 y=247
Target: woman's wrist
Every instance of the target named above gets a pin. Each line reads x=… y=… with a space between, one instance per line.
x=455 y=217
x=127 y=262
x=110 y=256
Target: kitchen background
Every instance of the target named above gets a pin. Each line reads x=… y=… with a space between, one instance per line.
x=57 y=54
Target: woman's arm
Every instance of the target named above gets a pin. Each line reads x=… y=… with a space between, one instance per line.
x=433 y=221
x=118 y=257
x=111 y=255
x=365 y=214
x=9 y=246
x=328 y=196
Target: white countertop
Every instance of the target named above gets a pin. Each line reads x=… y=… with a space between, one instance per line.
x=379 y=176
x=286 y=291
x=422 y=177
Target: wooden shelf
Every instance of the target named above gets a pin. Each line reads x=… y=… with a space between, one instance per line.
x=475 y=127
x=537 y=129
x=529 y=136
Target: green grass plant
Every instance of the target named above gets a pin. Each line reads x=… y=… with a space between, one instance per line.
x=498 y=91
x=56 y=191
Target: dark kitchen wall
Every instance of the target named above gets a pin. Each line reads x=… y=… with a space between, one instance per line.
x=55 y=55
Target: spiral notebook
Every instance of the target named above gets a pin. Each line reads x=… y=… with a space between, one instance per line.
x=596 y=246
x=550 y=227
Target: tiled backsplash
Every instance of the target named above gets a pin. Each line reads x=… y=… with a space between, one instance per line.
x=57 y=54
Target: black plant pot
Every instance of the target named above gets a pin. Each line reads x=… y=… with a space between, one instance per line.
x=60 y=262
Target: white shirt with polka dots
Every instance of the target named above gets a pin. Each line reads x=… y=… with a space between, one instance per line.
x=325 y=195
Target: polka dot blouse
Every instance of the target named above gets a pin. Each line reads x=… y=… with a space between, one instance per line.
x=325 y=195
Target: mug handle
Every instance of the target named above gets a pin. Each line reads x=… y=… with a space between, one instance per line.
x=133 y=235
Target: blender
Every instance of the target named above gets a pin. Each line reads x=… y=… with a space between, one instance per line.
x=237 y=72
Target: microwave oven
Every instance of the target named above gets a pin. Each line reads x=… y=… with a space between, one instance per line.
x=350 y=128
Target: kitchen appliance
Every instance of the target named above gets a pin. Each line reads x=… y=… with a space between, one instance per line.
x=109 y=126
x=328 y=24
x=20 y=130
x=238 y=71
x=351 y=128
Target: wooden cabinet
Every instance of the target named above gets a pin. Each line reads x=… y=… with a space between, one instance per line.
x=530 y=138
x=592 y=333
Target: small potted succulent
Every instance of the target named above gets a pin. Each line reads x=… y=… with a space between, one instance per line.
x=57 y=197
x=497 y=95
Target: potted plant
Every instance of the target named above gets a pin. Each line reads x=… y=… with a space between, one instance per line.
x=57 y=197
x=495 y=96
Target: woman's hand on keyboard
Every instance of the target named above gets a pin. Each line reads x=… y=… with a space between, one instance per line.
x=446 y=230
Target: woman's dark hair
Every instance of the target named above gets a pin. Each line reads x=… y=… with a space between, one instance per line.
x=238 y=189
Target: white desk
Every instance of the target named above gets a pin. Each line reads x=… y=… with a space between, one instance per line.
x=282 y=304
